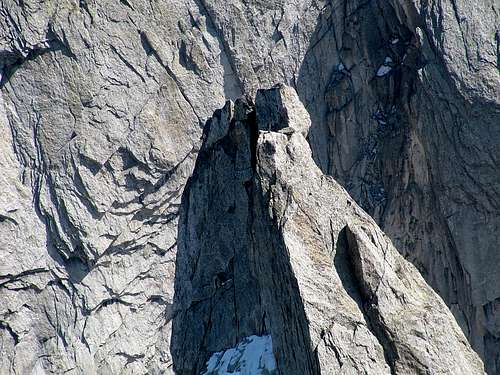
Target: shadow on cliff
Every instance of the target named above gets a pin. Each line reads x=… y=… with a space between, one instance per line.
x=233 y=274
x=379 y=136
x=356 y=134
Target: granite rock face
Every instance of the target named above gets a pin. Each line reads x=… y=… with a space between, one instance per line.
x=101 y=111
x=268 y=245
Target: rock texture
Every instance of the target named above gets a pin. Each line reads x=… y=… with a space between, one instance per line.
x=268 y=245
x=101 y=109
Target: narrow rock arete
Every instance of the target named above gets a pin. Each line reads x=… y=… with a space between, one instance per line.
x=185 y=187
x=269 y=246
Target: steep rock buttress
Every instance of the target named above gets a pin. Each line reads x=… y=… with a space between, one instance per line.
x=268 y=246
x=101 y=108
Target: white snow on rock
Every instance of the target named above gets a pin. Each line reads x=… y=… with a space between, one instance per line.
x=383 y=70
x=252 y=356
x=385 y=67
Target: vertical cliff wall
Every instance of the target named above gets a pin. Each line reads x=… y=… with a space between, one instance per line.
x=101 y=109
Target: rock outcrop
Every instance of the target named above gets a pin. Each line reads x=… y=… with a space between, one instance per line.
x=101 y=111
x=268 y=245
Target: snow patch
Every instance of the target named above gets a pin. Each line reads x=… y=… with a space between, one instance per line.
x=385 y=68
x=252 y=356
